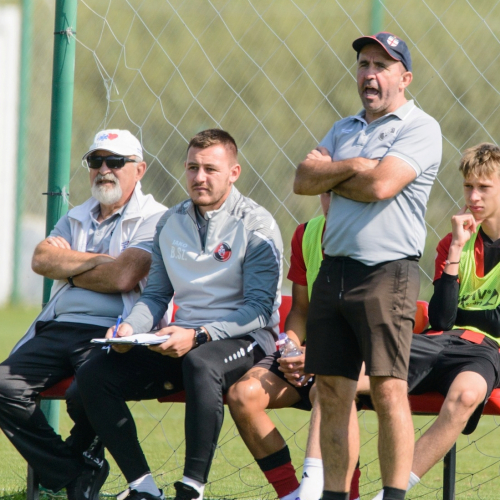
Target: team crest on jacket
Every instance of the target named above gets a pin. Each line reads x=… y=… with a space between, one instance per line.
x=223 y=252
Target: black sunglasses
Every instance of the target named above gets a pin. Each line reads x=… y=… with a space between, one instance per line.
x=112 y=161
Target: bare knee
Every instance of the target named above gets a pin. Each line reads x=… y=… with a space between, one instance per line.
x=388 y=393
x=334 y=392
x=467 y=391
x=246 y=396
x=465 y=400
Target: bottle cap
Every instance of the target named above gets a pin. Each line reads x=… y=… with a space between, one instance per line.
x=281 y=339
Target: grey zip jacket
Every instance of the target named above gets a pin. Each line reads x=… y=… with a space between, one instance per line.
x=231 y=285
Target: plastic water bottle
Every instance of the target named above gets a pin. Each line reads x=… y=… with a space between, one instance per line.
x=287 y=347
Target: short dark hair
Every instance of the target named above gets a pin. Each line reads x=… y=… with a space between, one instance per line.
x=480 y=160
x=214 y=137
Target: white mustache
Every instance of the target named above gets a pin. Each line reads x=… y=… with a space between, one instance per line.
x=106 y=177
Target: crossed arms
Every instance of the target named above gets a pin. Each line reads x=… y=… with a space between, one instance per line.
x=359 y=179
x=54 y=259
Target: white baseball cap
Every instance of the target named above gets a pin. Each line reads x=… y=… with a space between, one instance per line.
x=120 y=142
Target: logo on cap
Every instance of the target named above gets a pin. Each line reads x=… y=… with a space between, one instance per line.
x=223 y=252
x=392 y=41
x=110 y=137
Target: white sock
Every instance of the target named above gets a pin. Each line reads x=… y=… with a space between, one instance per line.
x=311 y=484
x=291 y=496
x=414 y=479
x=145 y=484
x=199 y=487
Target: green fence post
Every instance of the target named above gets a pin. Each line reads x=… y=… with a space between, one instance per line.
x=24 y=100
x=377 y=20
x=60 y=138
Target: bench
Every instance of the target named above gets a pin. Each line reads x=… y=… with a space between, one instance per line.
x=425 y=404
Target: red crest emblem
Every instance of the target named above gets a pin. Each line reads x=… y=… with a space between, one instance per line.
x=223 y=252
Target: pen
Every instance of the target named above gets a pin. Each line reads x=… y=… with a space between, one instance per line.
x=118 y=321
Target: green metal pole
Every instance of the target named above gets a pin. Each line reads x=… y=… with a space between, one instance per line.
x=377 y=20
x=22 y=136
x=63 y=73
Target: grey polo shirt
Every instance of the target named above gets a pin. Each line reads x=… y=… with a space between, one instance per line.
x=390 y=229
x=78 y=305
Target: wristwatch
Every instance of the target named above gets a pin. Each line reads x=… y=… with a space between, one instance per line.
x=200 y=336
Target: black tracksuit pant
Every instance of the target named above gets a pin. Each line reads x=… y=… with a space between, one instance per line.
x=55 y=353
x=106 y=382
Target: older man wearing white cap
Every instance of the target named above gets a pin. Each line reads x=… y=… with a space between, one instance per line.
x=98 y=255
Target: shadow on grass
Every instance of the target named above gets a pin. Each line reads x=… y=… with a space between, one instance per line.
x=44 y=495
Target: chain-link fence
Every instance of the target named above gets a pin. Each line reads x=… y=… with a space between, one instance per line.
x=274 y=73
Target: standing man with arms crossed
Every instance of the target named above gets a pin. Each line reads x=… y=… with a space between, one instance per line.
x=99 y=255
x=380 y=166
x=221 y=254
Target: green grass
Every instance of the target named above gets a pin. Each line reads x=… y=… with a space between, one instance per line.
x=13 y=324
x=234 y=474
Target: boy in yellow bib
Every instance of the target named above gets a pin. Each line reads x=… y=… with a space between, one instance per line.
x=464 y=313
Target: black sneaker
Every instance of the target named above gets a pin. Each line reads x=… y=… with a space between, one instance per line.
x=88 y=484
x=184 y=492
x=139 y=495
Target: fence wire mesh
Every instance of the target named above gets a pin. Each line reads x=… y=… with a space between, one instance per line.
x=276 y=74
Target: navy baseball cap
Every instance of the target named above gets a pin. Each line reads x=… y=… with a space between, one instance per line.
x=394 y=46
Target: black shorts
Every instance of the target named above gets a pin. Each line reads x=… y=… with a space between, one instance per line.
x=362 y=313
x=436 y=360
x=270 y=362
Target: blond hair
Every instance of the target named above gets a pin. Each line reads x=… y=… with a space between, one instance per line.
x=482 y=160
